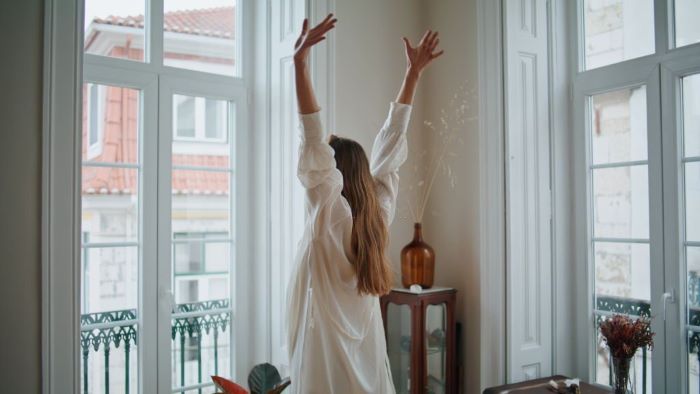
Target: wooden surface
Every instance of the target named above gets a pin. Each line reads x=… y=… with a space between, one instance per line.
x=541 y=386
x=418 y=302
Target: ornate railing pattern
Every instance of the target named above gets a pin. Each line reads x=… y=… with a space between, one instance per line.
x=634 y=307
x=192 y=320
x=104 y=330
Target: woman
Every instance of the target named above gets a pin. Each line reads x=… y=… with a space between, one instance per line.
x=336 y=335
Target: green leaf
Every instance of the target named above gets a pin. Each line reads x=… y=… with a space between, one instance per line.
x=263 y=378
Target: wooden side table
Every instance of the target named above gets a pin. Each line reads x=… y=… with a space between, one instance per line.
x=421 y=339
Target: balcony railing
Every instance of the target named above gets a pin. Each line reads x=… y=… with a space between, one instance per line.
x=107 y=334
x=611 y=305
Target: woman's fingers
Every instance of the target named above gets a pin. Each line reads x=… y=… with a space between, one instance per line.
x=424 y=38
x=407 y=43
x=436 y=55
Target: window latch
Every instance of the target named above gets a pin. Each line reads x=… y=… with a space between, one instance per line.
x=666 y=298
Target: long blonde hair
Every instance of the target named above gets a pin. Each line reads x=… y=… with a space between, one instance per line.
x=369 y=231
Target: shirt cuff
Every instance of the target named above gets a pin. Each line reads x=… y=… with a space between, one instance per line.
x=311 y=126
x=400 y=113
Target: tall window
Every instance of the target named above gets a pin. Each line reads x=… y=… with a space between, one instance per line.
x=636 y=113
x=163 y=87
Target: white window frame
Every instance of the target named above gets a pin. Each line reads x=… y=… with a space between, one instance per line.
x=63 y=70
x=94 y=149
x=660 y=72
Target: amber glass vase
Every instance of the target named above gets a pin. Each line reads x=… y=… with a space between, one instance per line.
x=417 y=261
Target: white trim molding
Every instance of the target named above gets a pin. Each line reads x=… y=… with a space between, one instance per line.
x=492 y=194
x=60 y=204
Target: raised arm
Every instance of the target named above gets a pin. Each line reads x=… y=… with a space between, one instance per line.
x=390 y=147
x=306 y=98
x=417 y=60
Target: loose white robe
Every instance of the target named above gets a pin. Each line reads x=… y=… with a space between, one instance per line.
x=335 y=336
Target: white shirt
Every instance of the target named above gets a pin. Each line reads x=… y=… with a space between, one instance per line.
x=336 y=336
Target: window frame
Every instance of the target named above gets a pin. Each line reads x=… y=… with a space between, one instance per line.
x=661 y=72
x=94 y=149
x=159 y=82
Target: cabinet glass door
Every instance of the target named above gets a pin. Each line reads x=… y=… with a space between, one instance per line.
x=398 y=326
x=435 y=348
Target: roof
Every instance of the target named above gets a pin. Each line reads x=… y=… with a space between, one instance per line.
x=120 y=145
x=211 y=22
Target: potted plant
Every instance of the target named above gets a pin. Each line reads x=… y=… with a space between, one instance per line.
x=624 y=336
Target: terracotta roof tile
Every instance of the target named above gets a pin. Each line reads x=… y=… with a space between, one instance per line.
x=210 y=22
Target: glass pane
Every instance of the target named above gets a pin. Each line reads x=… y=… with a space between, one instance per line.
x=198 y=353
x=436 y=345
x=200 y=132
x=201 y=36
x=110 y=279
x=693 y=264
x=622 y=274
x=687 y=27
x=115 y=28
x=110 y=209
x=111 y=122
x=621 y=202
x=398 y=344
x=691 y=113
x=619 y=126
x=692 y=201
x=200 y=202
x=617 y=30
x=693 y=361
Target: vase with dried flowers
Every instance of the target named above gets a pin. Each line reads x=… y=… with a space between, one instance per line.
x=624 y=336
x=418 y=258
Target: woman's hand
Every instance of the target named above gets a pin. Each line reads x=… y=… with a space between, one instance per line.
x=419 y=57
x=309 y=38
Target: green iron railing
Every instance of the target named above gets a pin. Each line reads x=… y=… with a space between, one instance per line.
x=106 y=332
x=628 y=306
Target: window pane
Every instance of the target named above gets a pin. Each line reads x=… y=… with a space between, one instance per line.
x=617 y=30
x=692 y=201
x=184 y=117
x=691 y=113
x=622 y=270
x=110 y=279
x=621 y=202
x=687 y=27
x=693 y=362
x=110 y=210
x=123 y=354
x=201 y=36
x=201 y=132
x=215 y=122
x=619 y=126
x=200 y=201
x=111 y=122
x=115 y=28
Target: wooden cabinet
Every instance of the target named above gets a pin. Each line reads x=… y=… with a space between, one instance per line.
x=421 y=339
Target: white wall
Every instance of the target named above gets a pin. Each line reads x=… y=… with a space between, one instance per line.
x=21 y=42
x=369 y=68
x=453 y=229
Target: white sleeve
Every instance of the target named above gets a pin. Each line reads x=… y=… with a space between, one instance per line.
x=388 y=154
x=317 y=171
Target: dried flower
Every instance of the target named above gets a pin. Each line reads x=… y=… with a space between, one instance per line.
x=625 y=335
x=448 y=136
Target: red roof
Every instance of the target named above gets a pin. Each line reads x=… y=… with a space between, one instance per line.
x=119 y=145
x=210 y=22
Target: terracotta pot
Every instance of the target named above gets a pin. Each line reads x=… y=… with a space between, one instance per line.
x=417 y=261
